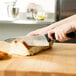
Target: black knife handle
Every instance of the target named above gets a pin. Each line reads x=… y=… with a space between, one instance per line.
x=70 y=35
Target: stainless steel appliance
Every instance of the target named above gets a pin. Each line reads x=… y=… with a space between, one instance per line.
x=65 y=8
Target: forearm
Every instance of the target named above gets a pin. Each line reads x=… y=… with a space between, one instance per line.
x=64 y=21
x=74 y=26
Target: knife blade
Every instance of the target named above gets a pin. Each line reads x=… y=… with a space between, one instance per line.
x=40 y=40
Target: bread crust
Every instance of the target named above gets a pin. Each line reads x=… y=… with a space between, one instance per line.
x=4 y=55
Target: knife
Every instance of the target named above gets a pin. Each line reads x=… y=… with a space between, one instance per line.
x=39 y=40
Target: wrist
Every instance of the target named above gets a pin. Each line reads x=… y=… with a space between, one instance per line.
x=74 y=25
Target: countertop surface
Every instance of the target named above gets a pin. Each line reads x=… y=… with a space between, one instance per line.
x=57 y=61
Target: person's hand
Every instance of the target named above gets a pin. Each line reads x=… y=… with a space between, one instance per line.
x=45 y=30
x=61 y=31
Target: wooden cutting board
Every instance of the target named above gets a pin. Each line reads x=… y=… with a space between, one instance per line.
x=58 y=61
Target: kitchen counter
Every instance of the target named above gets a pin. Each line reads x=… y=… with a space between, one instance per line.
x=57 y=61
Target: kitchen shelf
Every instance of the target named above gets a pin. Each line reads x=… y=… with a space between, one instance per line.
x=18 y=21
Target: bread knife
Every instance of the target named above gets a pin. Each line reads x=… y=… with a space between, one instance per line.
x=39 y=40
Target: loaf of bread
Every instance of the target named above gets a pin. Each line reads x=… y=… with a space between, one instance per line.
x=21 y=48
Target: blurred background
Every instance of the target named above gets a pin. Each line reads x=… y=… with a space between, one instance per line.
x=19 y=17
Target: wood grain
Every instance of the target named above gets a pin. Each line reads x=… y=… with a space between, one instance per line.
x=57 y=61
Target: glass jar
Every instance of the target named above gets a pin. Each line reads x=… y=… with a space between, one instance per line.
x=13 y=11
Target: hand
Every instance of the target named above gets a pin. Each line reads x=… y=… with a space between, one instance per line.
x=61 y=31
x=45 y=30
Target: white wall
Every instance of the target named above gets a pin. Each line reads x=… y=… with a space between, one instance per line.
x=47 y=5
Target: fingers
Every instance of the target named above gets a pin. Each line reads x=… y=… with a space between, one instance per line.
x=37 y=32
x=50 y=35
x=33 y=33
x=60 y=36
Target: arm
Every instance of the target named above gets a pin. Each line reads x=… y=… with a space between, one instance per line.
x=45 y=30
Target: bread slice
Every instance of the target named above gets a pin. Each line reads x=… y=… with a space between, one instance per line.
x=4 y=55
x=21 y=48
x=4 y=50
